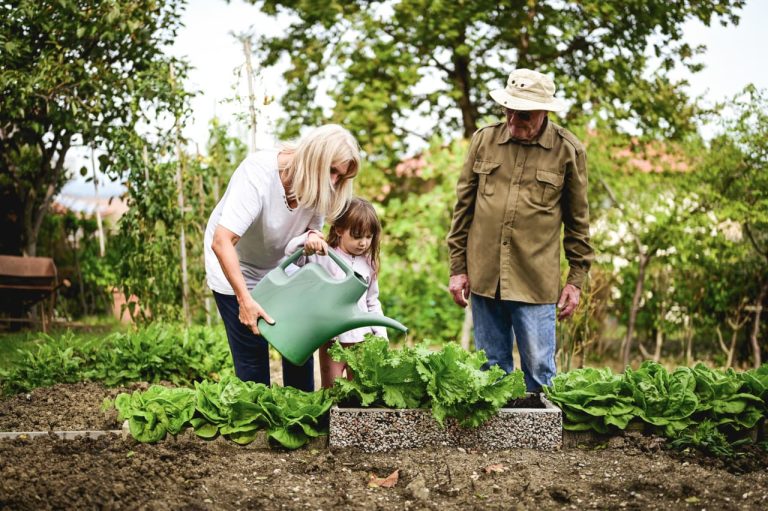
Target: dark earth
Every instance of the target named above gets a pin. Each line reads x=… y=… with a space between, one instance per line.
x=110 y=472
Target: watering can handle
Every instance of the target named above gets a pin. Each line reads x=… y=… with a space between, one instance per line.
x=332 y=253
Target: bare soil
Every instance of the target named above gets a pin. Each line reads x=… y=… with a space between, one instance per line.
x=629 y=471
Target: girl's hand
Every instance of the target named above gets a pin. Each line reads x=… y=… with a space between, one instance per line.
x=315 y=244
x=250 y=312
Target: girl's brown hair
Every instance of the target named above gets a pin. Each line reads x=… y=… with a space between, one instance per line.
x=361 y=219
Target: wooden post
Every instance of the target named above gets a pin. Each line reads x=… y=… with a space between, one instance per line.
x=247 y=50
x=182 y=234
x=99 y=225
x=466 y=328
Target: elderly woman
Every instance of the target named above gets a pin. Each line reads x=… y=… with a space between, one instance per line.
x=272 y=197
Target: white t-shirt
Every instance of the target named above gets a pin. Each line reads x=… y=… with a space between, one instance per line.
x=254 y=208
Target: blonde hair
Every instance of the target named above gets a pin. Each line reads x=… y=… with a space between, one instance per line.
x=359 y=217
x=309 y=171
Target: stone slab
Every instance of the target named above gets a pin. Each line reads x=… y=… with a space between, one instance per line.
x=385 y=429
x=63 y=435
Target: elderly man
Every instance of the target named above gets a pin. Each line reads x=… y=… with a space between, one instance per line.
x=521 y=181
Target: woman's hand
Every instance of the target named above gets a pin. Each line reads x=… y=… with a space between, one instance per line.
x=250 y=312
x=315 y=243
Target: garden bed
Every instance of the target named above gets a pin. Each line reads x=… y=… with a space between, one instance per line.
x=529 y=423
x=186 y=472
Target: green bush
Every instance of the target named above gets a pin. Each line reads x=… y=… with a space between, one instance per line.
x=159 y=352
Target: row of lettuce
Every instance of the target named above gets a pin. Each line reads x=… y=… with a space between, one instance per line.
x=702 y=407
x=709 y=409
x=450 y=382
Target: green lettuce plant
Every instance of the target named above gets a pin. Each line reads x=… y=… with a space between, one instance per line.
x=451 y=381
x=232 y=408
x=591 y=399
x=699 y=406
x=157 y=411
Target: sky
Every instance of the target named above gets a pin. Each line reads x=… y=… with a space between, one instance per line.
x=733 y=59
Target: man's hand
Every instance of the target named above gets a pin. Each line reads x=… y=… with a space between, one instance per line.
x=250 y=312
x=315 y=244
x=569 y=300
x=459 y=288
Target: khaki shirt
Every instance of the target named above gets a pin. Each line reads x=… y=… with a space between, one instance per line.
x=511 y=201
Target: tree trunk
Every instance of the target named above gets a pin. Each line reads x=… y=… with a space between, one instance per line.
x=754 y=342
x=627 y=345
x=660 y=331
x=688 y=342
x=736 y=322
x=36 y=208
x=463 y=82
x=659 y=344
x=728 y=350
x=97 y=212
x=34 y=215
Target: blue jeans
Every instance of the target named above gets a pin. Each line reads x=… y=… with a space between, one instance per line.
x=250 y=352
x=499 y=322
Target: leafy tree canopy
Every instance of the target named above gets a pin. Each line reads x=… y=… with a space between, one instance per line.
x=75 y=72
x=381 y=62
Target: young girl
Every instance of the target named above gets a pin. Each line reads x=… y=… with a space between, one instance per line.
x=355 y=236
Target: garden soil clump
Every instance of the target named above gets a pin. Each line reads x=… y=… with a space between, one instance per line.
x=629 y=471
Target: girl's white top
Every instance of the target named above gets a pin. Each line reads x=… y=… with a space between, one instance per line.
x=369 y=302
x=254 y=207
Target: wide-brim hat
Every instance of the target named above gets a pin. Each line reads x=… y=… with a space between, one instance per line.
x=528 y=90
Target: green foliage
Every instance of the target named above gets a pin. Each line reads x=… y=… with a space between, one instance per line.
x=148 y=241
x=157 y=411
x=451 y=381
x=737 y=167
x=663 y=399
x=695 y=406
x=591 y=399
x=705 y=437
x=161 y=352
x=149 y=266
x=415 y=201
x=458 y=386
x=54 y=361
x=386 y=64
x=77 y=73
x=236 y=409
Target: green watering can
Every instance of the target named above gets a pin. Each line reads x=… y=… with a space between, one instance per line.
x=310 y=307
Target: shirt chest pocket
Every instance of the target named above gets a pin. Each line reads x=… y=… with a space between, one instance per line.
x=484 y=170
x=549 y=183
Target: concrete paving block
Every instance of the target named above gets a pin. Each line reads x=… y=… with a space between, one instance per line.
x=385 y=429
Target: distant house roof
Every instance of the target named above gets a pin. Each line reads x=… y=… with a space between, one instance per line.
x=110 y=208
x=80 y=196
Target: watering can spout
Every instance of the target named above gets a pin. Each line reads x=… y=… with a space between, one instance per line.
x=361 y=319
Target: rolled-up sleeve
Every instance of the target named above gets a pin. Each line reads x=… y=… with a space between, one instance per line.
x=578 y=250
x=463 y=211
